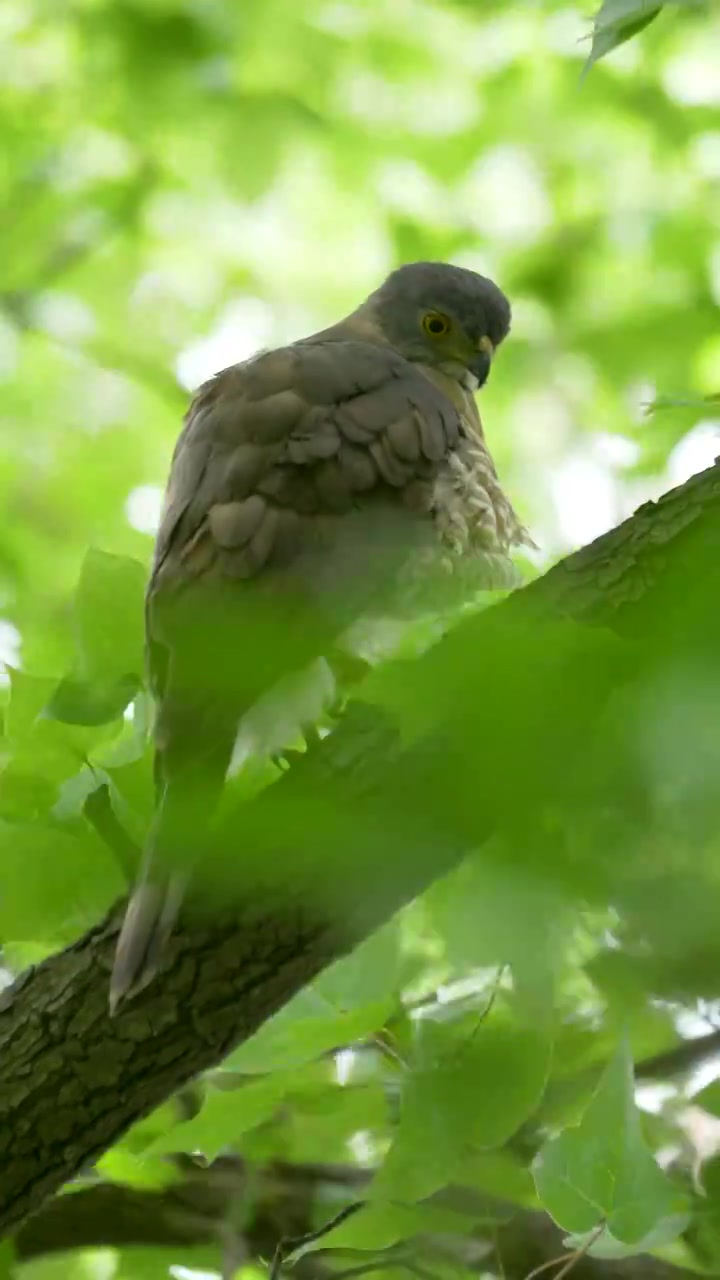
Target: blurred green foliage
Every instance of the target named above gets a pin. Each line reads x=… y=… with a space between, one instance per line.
x=181 y=184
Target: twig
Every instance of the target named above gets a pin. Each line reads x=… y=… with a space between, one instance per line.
x=385 y=1262
x=363 y=1269
x=485 y=1013
x=683 y=1058
x=289 y=1244
x=382 y=1042
x=545 y=1266
x=572 y=1260
x=415 y=1269
x=366 y=1268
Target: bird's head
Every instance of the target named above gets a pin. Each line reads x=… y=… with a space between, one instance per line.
x=443 y=316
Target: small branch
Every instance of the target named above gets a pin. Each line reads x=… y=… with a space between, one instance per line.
x=570 y=1262
x=684 y=1058
x=194 y=1211
x=290 y=1244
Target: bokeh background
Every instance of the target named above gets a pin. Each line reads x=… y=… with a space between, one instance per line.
x=182 y=183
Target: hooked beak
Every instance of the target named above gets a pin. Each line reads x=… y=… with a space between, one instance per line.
x=480 y=365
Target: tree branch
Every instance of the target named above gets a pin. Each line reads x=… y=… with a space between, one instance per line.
x=361 y=826
x=286 y=1200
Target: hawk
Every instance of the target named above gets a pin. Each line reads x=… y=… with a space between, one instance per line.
x=310 y=487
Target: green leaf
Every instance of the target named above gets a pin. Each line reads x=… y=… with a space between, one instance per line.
x=296 y=1035
x=600 y=1172
x=351 y=1001
x=151 y=1128
x=41 y=745
x=109 y=617
x=618 y=21
x=55 y=882
x=604 y=1244
x=84 y=703
x=327 y=1118
x=489 y=916
x=29 y=696
x=380 y=1226
x=367 y=976
x=120 y=1165
x=154 y=1263
x=709 y=1098
x=472 y=1086
x=7 y=1260
x=699 y=404
x=224 y=1117
x=500 y=1173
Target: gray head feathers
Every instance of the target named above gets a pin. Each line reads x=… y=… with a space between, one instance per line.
x=476 y=302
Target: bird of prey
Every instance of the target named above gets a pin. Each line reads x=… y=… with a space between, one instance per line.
x=309 y=486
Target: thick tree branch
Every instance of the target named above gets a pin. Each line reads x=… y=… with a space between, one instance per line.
x=192 y=1211
x=286 y=1201
x=360 y=827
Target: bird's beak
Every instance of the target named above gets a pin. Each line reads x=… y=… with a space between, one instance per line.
x=480 y=365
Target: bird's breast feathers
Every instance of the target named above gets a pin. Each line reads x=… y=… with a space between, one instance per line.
x=472 y=513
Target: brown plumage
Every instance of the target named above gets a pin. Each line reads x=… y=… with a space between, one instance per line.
x=308 y=486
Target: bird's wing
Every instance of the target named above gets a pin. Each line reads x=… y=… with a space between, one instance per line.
x=270 y=483
x=265 y=528
x=300 y=478
x=302 y=431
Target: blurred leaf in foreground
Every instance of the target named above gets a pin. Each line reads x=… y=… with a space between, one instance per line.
x=599 y=1176
x=473 y=1085
x=618 y=21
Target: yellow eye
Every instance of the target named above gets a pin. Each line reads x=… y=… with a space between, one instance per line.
x=435 y=324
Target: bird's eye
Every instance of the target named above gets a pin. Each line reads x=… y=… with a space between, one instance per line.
x=435 y=324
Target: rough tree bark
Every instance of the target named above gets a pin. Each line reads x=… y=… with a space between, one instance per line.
x=72 y=1080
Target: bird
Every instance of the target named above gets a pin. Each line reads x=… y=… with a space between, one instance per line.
x=310 y=485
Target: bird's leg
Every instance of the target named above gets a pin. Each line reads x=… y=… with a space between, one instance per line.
x=348 y=671
x=289 y=756
x=311 y=736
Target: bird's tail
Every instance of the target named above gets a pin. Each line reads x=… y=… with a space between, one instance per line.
x=149 y=920
x=198 y=735
x=184 y=812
